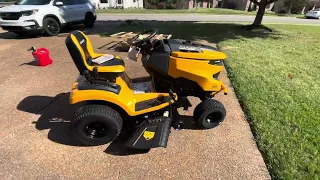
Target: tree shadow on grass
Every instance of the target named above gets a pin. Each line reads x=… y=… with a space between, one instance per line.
x=211 y=32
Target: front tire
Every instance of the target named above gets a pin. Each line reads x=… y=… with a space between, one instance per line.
x=209 y=113
x=89 y=20
x=51 y=26
x=96 y=124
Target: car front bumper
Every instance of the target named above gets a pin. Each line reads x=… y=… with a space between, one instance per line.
x=22 y=24
x=312 y=15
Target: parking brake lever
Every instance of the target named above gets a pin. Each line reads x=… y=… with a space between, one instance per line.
x=172 y=96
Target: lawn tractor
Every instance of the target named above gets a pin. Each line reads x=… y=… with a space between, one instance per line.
x=111 y=101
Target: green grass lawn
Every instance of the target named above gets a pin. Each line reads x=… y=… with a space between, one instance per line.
x=217 y=11
x=276 y=77
x=214 y=11
x=278 y=82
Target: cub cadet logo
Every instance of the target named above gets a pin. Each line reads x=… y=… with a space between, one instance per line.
x=187 y=48
x=148 y=135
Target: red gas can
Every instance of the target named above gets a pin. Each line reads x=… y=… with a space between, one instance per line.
x=41 y=56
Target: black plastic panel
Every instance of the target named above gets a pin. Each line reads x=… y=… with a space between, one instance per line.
x=159 y=58
x=157 y=131
x=185 y=45
x=83 y=84
x=151 y=103
x=10 y=15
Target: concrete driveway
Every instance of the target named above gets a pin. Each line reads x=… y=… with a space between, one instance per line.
x=35 y=142
x=206 y=17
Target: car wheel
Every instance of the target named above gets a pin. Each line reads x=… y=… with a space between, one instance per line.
x=51 y=26
x=89 y=20
x=96 y=124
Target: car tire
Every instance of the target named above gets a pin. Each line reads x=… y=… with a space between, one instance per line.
x=51 y=26
x=96 y=125
x=212 y=110
x=89 y=20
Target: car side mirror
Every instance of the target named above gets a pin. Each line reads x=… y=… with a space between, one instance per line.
x=59 y=3
x=16 y=3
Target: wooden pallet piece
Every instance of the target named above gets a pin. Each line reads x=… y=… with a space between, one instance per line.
x=126 y=34
x=117 y=34
x=126 y=37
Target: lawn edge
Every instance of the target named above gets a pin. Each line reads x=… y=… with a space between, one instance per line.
x=248 y=118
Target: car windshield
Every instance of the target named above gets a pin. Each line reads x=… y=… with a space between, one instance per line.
x=34 y=2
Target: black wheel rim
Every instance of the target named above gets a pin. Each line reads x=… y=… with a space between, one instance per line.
x=96 y=130
x=53 y=27
x=213 y=118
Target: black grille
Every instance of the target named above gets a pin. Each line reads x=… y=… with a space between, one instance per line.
x=12 y=28
x=10 y=16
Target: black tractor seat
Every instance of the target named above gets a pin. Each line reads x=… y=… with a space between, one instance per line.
x=83 y=55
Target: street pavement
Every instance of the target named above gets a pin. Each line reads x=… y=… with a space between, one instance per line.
x=202 y=17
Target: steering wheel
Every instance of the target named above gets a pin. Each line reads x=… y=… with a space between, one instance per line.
x=136 y=42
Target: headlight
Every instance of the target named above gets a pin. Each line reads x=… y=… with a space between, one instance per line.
x=29 y=13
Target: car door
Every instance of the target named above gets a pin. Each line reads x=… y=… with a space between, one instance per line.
x=85 y=8
x=80 y=6
x=66 y=10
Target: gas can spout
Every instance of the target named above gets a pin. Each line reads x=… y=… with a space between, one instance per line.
x=33 y=49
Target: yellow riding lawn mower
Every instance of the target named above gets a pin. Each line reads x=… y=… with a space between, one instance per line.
x=111 y=101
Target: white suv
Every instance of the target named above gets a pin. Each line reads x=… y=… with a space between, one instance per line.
x=46 y=15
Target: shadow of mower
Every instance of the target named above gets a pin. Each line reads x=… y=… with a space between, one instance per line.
x=56 y=114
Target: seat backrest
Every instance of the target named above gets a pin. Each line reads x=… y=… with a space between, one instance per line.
x=80 y=49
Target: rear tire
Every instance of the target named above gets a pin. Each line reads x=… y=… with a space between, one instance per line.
x=89 y=20
x=51 y=26
x=209 y=113
x=96 y=125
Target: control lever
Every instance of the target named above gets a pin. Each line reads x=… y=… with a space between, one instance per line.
x=87 y=76
x=173 y=97
x=95 y=72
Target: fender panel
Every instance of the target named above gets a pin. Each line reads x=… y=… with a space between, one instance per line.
x=126 y=99
x=202 y=74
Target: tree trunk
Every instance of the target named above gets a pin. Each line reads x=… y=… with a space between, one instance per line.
x=304 y=8
x=248 y=6
x=260 y=13
x=290 y=8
